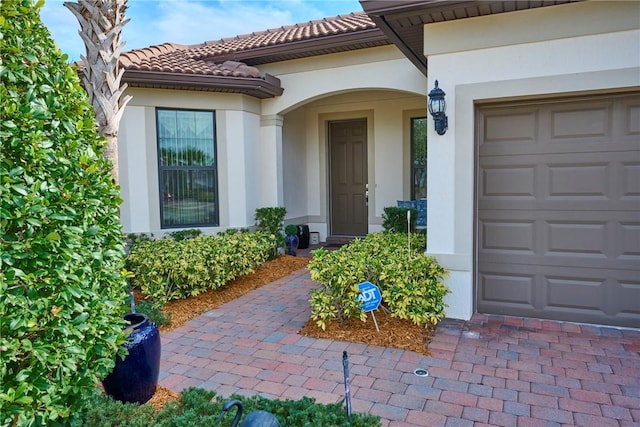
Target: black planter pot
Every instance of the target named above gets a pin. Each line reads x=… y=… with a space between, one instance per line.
x=303 y=236
x=135 y=378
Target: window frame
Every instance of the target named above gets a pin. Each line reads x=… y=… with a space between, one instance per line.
x=412 y=187
x=162 y=168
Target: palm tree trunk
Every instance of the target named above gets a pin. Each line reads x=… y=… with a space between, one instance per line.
x=101 y=23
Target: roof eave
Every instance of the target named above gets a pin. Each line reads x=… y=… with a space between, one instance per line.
x=395 y=38
x=262 y=88
x=302 y=47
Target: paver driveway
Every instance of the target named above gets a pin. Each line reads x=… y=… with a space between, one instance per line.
x=493 y=370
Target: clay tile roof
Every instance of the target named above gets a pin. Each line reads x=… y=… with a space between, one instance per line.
x=170 y=58
x=341 y=24
x=229 y=64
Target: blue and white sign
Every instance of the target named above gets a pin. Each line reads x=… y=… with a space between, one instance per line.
x=369 y=296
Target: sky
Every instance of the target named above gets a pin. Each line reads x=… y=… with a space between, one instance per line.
x=190 y=21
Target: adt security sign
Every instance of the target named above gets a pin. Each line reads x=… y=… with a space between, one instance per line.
x=369 y=296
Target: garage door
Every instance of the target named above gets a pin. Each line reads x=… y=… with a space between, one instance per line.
x=558 y=198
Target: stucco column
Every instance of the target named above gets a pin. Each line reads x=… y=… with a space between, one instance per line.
x=271 y=182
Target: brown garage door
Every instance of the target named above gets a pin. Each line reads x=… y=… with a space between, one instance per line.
x=558 y=222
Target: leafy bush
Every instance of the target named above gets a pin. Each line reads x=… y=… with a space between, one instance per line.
x=201 y=408
x=270 y=220
x=185 y=234
x=291 y=230
x=395 y=219
x=61 y=247
x=154 y=314
x=410 y=283
x=166 y=269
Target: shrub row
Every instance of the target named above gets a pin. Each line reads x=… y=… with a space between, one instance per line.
x=410 y=283
x=166 y=269
x=201 y=408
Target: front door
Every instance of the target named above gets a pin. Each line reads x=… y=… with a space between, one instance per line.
x=348 y=177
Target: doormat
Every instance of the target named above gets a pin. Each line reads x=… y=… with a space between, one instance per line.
x=334 y=245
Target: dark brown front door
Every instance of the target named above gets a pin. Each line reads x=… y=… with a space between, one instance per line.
x=348 y=177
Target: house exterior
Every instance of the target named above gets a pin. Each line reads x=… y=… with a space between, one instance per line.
x=533 y=191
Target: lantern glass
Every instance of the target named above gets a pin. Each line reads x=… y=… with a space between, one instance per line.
x=437 y=105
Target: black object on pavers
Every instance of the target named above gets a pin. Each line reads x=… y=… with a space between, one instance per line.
x=303 y=236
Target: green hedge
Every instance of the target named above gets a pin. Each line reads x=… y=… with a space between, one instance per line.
x=410 y=283
x=61 y=246
x=201 y=408
x=167 y=269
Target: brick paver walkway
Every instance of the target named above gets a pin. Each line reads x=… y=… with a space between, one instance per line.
x=493 y=370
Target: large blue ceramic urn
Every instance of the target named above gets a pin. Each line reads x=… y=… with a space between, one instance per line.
x=134 y=378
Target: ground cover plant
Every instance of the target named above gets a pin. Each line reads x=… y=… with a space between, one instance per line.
x=411 y=284
x=201 y=408
x=61 y=247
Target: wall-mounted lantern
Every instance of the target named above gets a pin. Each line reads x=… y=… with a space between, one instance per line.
x=437 y=106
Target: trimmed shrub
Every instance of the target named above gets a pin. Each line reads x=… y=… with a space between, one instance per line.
x=166 y=269
x=185 y=234
x=61 y=248
x=410 y=283
x=395 y=219
x=270 y=220
x=201 y=408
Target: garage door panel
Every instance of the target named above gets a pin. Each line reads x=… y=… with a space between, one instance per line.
x=580 y=123
x=630 y=190
x=629 y=238
x=502 y=127
x=579 y=181
x=631 y=116
x=629 y=301
x=558 y=222
x=584 y=240
x=547 y=238
x=512 y=236
x=517 y=181
x=592 y=295
x=568 y=127
x=511 y=289
x=561 y=294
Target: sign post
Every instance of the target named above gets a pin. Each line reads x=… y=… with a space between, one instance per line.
x=370 y=298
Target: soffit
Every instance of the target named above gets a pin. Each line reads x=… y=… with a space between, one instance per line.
x=402 y=20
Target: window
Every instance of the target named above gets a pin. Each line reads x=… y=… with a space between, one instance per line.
x=418 y=158
x=187 y=168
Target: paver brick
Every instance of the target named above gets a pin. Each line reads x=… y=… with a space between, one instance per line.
x=551 y=390
x=408 y=402
x=590 y=420
x=476 y=414
x=389 y=412
x=444 y=408
x=426 y=419
x=551 y=414
x=590 y=396
x=463 y=399
x=445 y=384
x=573 y=405
x=458 y=422
x=502 y=419
x=516 y=408
x=550 y=402
x=617 y=412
